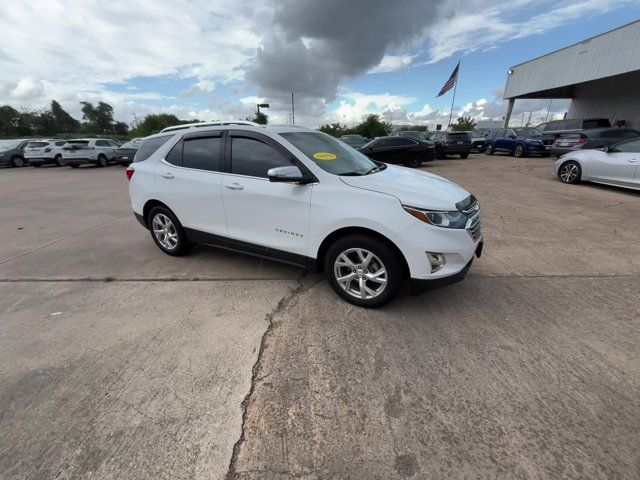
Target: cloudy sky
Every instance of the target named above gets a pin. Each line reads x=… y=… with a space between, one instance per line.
x=342 y=58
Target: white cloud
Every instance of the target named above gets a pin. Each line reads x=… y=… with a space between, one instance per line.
x=354 y=106
x=389 y=63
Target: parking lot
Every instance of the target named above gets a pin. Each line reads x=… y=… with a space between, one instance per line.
x=117 y=361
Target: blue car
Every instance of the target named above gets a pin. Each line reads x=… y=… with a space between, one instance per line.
x=519 y=142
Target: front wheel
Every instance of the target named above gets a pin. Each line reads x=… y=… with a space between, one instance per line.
x=570 y=172
x=519 y=151
x=489 y=149
x=60 y=161
x=102 y=161
x=167 y=232
x=363 y=270
x=17 y=161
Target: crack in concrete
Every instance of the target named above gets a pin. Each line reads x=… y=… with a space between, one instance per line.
x=232 y=473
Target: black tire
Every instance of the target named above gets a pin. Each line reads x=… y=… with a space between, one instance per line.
x=102 y=161
x=73 y=165
x=35 y=164
x=414 y=163
x=60 y=161
x=519 y=151
x=488 y=149
x=17 y=161
x=464 y=155
x=384 y=256
x=570 y=172
x=182 y=245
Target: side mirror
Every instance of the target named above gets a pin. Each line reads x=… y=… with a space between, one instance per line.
x=290 y=174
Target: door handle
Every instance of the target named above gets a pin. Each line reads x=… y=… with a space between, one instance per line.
x=167 y=175
x=234 y=186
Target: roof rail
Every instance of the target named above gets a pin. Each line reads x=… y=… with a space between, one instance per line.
x=215 y=123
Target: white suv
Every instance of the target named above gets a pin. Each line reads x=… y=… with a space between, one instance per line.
x=43 y=152
x=94 y=151
x=305 y=198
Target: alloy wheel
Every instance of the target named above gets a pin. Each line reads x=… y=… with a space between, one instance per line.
x=360 y=273
x=569 y=172
x=165 y=231
x=518 y=151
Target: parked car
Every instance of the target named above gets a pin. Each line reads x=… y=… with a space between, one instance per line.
x=355 y=141
x=415 y=134
x=451 y=143
x=12 y=152
x=400 y=150
x=556 y=127
x=92 y=151
x=44 y=152
x=125 y=153
x=594 y=138
x=519 y=142
x=617 y=165
x=477 y=140
x=369 y=226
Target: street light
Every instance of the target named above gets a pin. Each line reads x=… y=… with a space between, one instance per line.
x=263 y=105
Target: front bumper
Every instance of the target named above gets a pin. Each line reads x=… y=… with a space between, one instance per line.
x=539 y=149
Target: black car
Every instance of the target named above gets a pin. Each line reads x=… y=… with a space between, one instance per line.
x=353 y=140
x=592 y=138
x=415 y=134
x=12 y=152
x=399 y=150
x=451 y=143
x=570 y=125
x=125 y=153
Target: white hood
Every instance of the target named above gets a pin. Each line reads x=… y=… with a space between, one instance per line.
x=412 y=187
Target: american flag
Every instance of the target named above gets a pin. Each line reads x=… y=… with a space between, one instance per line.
x=451 y=82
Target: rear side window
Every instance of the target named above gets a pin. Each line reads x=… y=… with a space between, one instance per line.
x=202 y=153
x=149 y=146
x=102 y=143
x=253 y=158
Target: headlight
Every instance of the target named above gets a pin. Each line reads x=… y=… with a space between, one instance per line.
x=447 y=219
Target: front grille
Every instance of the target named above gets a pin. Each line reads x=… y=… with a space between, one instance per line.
x=475 y=229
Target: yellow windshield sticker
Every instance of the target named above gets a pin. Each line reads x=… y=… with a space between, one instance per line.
x=324 y=156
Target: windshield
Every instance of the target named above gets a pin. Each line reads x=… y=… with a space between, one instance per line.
x=330 y=154
x=528 y=132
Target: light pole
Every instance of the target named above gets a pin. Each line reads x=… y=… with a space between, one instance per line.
x=263 y=105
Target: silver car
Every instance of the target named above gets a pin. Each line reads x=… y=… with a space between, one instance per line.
x=43 y=152
x=93 y=151
x=617 y=165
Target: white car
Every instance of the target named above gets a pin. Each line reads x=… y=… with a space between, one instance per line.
x=305 y=198
x=43 y=152
x=617 y=165
x=93 y=151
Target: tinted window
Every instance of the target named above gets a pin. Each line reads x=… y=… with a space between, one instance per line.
x=202 y=153
x=631 y=147
x=382 y=143
x=253 y=158
x=149 y=146
x=596 y=123
x=37 y=144
x=59 y=144
x=102 y=143
x=458 y=136
x=401 y=142
x=174 y=157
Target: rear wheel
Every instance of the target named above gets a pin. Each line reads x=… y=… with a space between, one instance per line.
x=414 y=162
x=167 y=232
x=60 y=161
x=570 y=172
x=17 y=161
x=363 y=270
x=464 y=155
x=489 y=149
x=102 y=161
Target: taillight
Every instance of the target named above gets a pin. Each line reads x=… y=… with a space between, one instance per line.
x=47 y=150
x=129 y=172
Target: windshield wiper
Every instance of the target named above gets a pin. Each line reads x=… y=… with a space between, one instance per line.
x=351 y=174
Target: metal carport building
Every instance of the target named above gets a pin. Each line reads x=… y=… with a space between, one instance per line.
x=601 y=76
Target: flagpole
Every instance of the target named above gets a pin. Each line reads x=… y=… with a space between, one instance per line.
x=455 y=87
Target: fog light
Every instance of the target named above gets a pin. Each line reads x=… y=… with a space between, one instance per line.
x=436 y=260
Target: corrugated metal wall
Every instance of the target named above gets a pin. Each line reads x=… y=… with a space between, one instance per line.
x=613 y=98
x=612 y=53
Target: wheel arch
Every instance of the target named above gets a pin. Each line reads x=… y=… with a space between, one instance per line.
x=343 y=232
x=148 y=206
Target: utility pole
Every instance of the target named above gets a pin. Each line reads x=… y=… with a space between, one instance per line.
x=293 y=111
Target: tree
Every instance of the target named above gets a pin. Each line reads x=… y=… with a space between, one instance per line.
x=97 y=119
x=463 y=124
x=63 y=122
x=120 y=128
x=10 y=121
x=372 y=127
x=259 y=117
x=334 y=129
x=153 y=123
